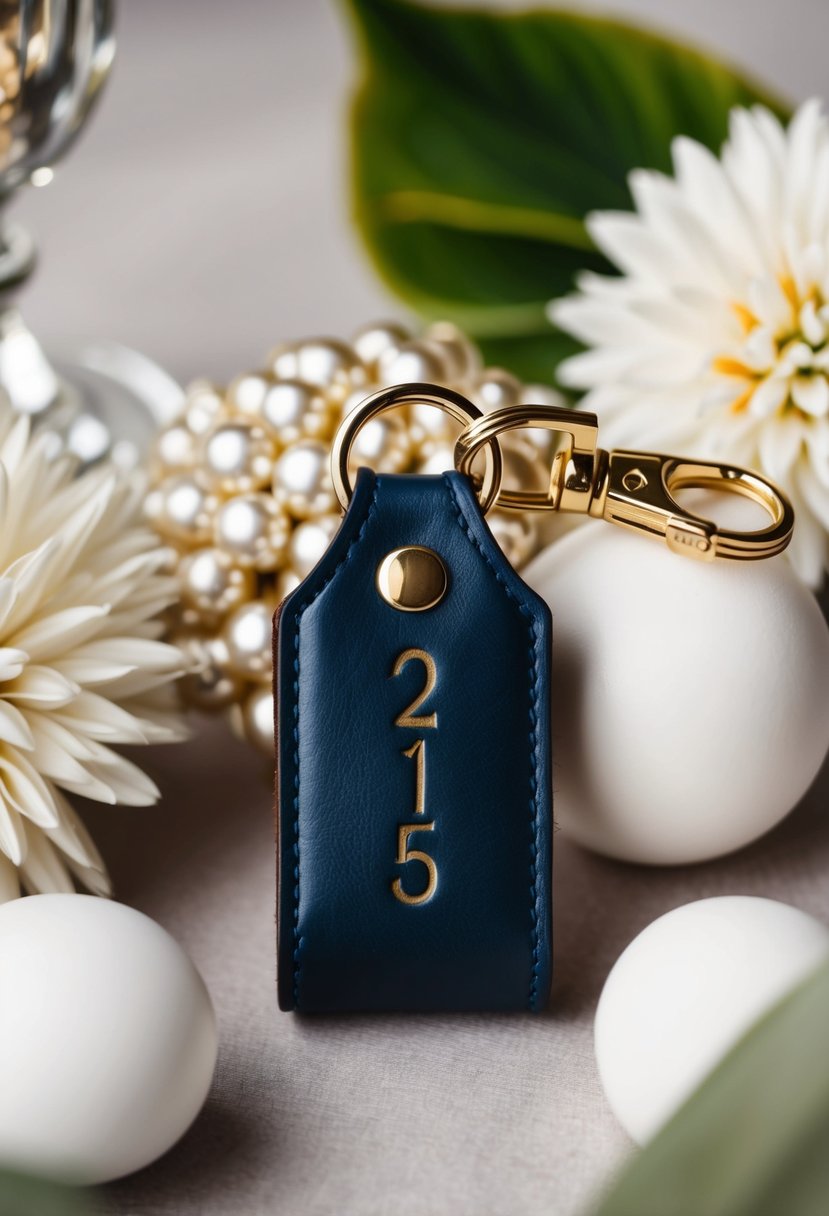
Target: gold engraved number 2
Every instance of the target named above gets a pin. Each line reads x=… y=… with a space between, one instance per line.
x=416 y=752
x=409 y=717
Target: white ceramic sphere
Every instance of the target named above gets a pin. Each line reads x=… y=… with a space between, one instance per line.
x=686 y=990
x=107 y=1038
x=690 y=700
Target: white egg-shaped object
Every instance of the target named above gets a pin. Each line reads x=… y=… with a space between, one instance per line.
x=690 y=699
x=686 y=990
x=107 y=1038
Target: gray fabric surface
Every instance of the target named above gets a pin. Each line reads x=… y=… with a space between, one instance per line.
x=201 y=219
x=411 y=1116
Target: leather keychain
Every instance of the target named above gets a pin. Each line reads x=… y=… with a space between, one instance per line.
x=413 y=684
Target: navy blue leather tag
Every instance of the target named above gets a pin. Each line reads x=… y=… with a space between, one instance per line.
x=413 y=770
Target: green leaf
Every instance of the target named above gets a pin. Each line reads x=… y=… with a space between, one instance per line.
x=22 y=1195
x=480 y=140
x=754 y=1139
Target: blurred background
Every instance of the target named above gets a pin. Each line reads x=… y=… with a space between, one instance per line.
x=204 y=214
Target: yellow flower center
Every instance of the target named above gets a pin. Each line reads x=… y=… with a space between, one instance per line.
x=798 y=350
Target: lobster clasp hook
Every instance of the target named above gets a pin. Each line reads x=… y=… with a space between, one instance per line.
x=636 y=490
x=633 y=489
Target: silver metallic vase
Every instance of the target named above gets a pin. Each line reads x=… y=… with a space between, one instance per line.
x=55 y=56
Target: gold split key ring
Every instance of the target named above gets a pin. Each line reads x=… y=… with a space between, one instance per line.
x=632 y=489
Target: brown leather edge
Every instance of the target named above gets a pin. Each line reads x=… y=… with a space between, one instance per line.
x=285 y=999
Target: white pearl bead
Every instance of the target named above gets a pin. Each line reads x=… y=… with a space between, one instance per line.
x=208 y=683
x=253 y=530
x=541 y=394
x=430 y=425
x=302 y=482
x=323 y=362
x=174 y=449
x=247 y=635
x=373 y=341
x=355 y=399
x=292 y=410
x=287 y=581
x=211 y=584
x=437 y=458
x=238 y=457
x=382 y=444
x=462 y=357
x=204 y=406
x=247 y=393
x=494 y=389
x=309 y=542
x=515 y=533
x=257 y=718
x=182 y=509
x=523 y=467
x=414 y=362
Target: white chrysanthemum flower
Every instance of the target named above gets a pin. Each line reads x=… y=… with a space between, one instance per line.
x=715 y=340
x=81 y=663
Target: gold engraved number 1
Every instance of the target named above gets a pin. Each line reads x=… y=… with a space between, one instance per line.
x=416 y=752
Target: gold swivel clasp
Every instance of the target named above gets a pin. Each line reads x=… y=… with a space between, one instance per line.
x=633 y=489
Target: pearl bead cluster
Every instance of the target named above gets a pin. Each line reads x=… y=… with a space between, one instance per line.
x=242 y=494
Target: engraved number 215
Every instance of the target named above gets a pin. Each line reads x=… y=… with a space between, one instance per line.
x=416 y=752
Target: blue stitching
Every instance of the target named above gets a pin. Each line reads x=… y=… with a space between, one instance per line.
x=534 y=742
x=300 y=610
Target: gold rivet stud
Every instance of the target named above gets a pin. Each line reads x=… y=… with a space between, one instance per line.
x=412 y=579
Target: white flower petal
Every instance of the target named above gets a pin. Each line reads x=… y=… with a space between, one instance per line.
x=780 y=445
x=72 y=837
x=769 y=303
x=82 y=585
x=53 y=635
x=807 y=550
x=769 y=396
x=96 y=881
x=814 y=328
x=635 y=250
x=759 y=351
x=815 y=495
x=41 y=688
x=817 y=442
x=100 y=719
x=9 y=881
x=12 y=662
x=14 y=728
x=811 y=394
x=14 y=445
x=22 y=787
x=43 y=871
x=7 y=597
x=131 y=653
x=12 y=832
x=129 y=783
x=707 y=188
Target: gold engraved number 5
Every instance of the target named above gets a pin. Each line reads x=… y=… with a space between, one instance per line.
x=404 y=854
